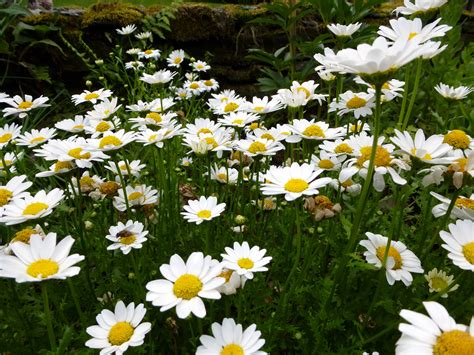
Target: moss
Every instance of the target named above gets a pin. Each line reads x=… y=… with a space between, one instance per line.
x=115 y=14
x=48 y=18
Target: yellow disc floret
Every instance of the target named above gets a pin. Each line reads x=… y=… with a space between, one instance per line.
x=25 y=105
x=231 y=106
x=245 y=263
x=468 y=251
x=382 y=156
x=457 y=139
x=187 y=286
x=296 y=185
x=76 y=153
x=91 y=96
x=5 y=137
x=392 y=252
x=355 y=103
x=110 y=140
x=232 y=349
x=464 y=202
x=343 y=148
x=5 y=196
x=24 y=235
x=120 y=333
x=454 y=342
x=257 y=147
x=34 y=208
x=313 y=131
x=43 y=268
x=326 y=164
x=204 y=214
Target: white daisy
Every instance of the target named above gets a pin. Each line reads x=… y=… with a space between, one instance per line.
x=436 y=334
x=91 y=96
x=233 y=281
x=245 y=260
x=126 y=30
x=263 y=105
x=460 y=243
x=97 y=127
x=293 y=181
x=149 y=54
x=224 y=174
x=76 y=125
x=104 y=109
x=7 y=161
x=41 y=259
x=134 y=65
x=400 y=262
x=257 y=146
x=144 y=35
x=315 y=130
x=238 y=119
x=413 y=29
x=202 y=126
x=439 y=281
x=210 y=84
x=112 y=140
x=463 y=207
x=195 y=87
x=21 y=106
x=390 y=89
x=160 y=77
x=14 y=189
x=117 y=331
x=308 y=87
x=8 y=133
x=338 y=147
x=327 y=161
x=200 y=66
x=139 y=195
x=229 y=338
x=127 y=236
x=419 y=7
x=60 y=167
x=459 y=140
x=154 y=119
x=204 y=209
x=344 y=30
x=36 y=137
x=125 y=166
x=358 y=103
x=31 y=207
x=185 y=284
x=453 y=93
x=175 y=58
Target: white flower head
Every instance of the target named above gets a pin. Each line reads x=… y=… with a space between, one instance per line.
x=127 y=236
x=245 y=260
x=204 y=209
x=344 y=30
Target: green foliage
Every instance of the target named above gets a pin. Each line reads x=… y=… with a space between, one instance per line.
x=159 y=22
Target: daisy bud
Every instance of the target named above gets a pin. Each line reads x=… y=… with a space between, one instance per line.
x=88 y=83
x=88 y=225
x=239 y=219
x=100 y=61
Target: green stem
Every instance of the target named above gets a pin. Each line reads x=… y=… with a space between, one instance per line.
x=72 y=289
x=413 y=94
x=404 y=100
x=47 y=315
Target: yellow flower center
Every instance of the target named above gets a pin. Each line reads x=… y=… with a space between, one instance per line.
x=5 y=196
x=177 y=60
x=120 y=333
x=25 y=105
x=5 y=137
x=148 y=51
x=127 y=240
x=468 y=251
x=323 y=202
x=204 y=131
x=457 y=139
x=23 y=235
x=306 y=91
x=258 y=108
x=231 y=106
x=454 y=342
x=37 y=140
x=102 y=126
x=42 y=268
x=238 y=121
x=347 y=183
x=222 y=176
x=326 y=164
x=76 y=153
x=86 y=181
x=187 y=286
x=91 y=96
x=355 y=103
x=226 y=275
x=254 y=125
x=382 y=156
x=194 y=85
x=411 y=35
x=152 y=137
x=313 y=131
x=438 y=283
x=154 y=116
x=464 y=202
x=267 y=136
x=109 y=140
x=211 y=141
x=257 y=147
x=458 y=165
x=78 y=126
x=7 y=163
x=60 y=165
x=392 y=252
x=204 y=214
x=34 y=208
x=245 y=263
x=109 y=188
x=135 y=195
x=296 y=185
x=343 y=148
x=386 y=86
x=232 y=349
x=427 y=156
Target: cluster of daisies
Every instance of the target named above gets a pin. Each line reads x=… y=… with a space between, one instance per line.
x=297 y=159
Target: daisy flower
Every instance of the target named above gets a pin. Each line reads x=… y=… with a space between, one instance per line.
x=224 y=174
x=228 y=106
x=40 y=260
x=31 y=207
x=127 y=236
x=157 y=138
x=154 y=119
x=344 y=30
x=185 y=285
x=463 y=207
x=245 y=260
x=315 y=130
x=277 y=134
x=439 y=281
x=337 y=147
x=117 y=331
x=8 y=133
x=21 y=106
x=308 y=87
x=14 y=189
x=6 y=163
x=229 y=338
x=134 y=65
x=293 y=181
x=460 y=243
x=60 y=167
x=290 y=98
x=204 y=209
x=76 y=125
x=134 y=166
x=200 y=66
x=126 y=30
x=143 y=35
x=239 y=119
x=358 y=103
x=400 y=262
x=139 y=195
x=112 y=140
x=431 y=150
x=263 y=105
x=436 y=333
x=175 y=58
x=104 y=109
x=232 y=280
x=413 y=29
x=160 y=77
x=86 y=183
x=458 y=139
x=390 y=89
x=149 y=54
x=210 y=84
x=97 y=127
x=218 y=142
x=36 y=137
x=140 y=106
x=419 y=7
x=453 y=93
x=327 y=161
x=256 y=146
x=91 y=96
x=195 y=87
x=202 y=126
